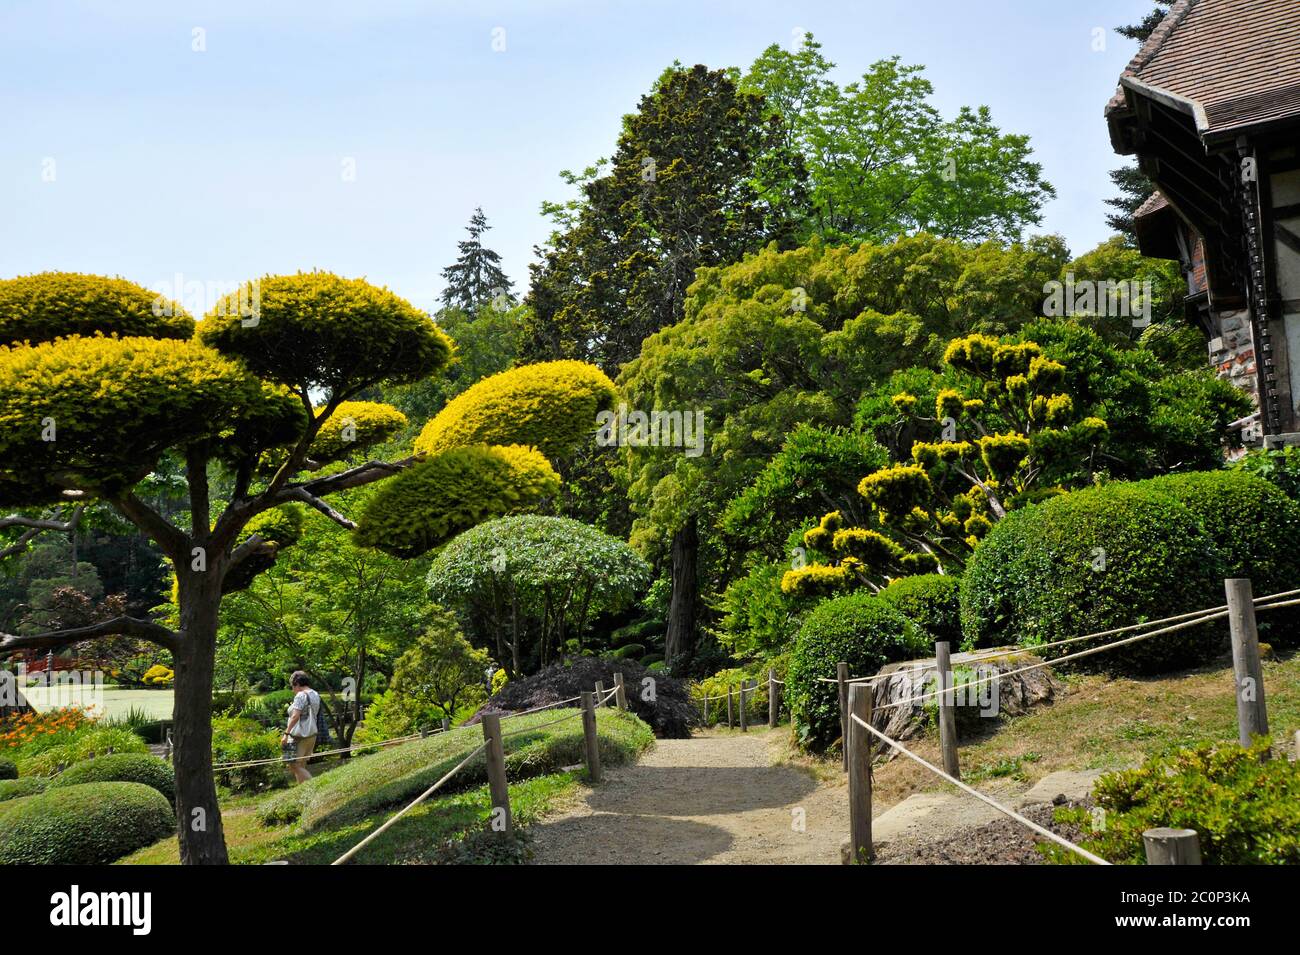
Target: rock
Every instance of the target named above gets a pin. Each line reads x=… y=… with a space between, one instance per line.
x=1061 y=788
x=1010 y=696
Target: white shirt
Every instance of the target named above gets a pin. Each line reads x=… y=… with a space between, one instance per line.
x=307 y=703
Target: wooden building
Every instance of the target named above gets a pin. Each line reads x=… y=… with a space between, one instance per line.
x=1210 y=106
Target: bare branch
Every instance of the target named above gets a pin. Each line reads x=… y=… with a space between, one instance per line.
x=43 y=523
x=358 y=476
x=128 y=626
x=312 y=500
x=37 y=526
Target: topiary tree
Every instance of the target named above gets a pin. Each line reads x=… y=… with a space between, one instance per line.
x=90 y=824
x=121 y=768
x=530 y=584
x=858 y=629
x=1004 y=431
x=100 y=383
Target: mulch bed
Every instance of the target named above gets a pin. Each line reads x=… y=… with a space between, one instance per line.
x=1001 y=842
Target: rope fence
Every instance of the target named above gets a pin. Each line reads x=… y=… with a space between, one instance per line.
x=1163 y=846
x=494 y=749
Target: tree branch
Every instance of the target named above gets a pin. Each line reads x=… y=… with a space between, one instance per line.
x=173 y=541
x=128 y=626
x=36 y=527
x=358 y=476
x=302 y=494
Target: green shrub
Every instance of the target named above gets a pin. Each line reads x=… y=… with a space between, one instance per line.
x=858 y=629
x=237 y=740
x=88 y=742
x=642 y=631
x=18 y=788
x=451 y=491
x=629 y=650
x=931 y=601
x=1245 y=809
x=50 y=305
x=1279 y=466
x=1257 y=527
x=8 y=770
x=122 y=768
x=83 y=825
x=1032 y=580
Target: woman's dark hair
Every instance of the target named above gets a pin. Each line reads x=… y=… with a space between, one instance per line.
x=299 y=678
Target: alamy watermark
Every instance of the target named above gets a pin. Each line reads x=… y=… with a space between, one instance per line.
x=59 y=689
x=1129 y=299
x=242 y=299
x=654 y=429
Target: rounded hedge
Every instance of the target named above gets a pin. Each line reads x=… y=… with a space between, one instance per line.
x=1094 y=560
x=49 y=305
x=431 y=502
x=18 y=788
x=121 y=768
x=1257 y=526
x=103 y=410
x=931 y=601
x=858 y=629
x=8 y=770
x=550 y=406
x=353 y=427
x=92 y=824
x=326 y=331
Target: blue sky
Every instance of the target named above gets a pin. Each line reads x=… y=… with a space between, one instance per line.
x=230 y=163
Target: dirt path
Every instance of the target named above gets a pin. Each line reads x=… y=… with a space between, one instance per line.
x=714 y=798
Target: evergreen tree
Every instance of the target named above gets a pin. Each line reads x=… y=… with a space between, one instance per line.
x=476 y=278
x=1133 y=185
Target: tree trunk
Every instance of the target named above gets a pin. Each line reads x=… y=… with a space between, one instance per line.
x=198 y=816
x=681 y=608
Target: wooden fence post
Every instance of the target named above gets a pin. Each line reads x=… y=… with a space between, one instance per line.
x=600 y=692
x=446 y=724
x=728 y=707
x=773 y=701
x=842 y=678
x=947 y=711
x=1172 y=847
x=859 y=759
x=620 y=693
x=744 y=716
x=704 y=710
x=589 y=731
x=1252 y=716
x=496 y=770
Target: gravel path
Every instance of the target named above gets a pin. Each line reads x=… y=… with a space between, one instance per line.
x=714 y=798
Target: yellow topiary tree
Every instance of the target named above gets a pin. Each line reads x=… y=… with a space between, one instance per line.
x=1004 y=432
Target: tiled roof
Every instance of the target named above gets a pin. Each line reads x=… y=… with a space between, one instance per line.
x=1154 y=203
x=1232 y=63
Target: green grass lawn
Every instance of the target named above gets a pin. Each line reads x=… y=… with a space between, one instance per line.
x=318 y=821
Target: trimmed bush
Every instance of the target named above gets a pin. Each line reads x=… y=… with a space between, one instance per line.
x=83 y=825
x=858 y=629
x=354 y=426
x=931 y=601
x=49 y=305
x=1257 y=526
x=550 y=406
x=121 y=768
x=18 y=788
x=322 y=328
x=1094 y=560
x=1244 y=806
x=428 y=504
x=7 y=769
